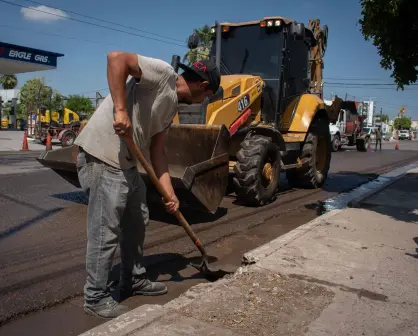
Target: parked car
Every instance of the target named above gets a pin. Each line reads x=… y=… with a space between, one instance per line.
x=405 y=135
x=387 y=136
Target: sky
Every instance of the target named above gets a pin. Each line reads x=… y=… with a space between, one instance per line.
x=349 y=59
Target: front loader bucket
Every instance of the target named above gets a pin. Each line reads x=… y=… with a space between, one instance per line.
x=198 y=164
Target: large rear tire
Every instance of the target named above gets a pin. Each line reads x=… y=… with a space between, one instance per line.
x=257 y=171
x=68 y=138
x=362 y=144
x=315 y=157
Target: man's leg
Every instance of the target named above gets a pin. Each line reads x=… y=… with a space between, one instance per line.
x=108 y=192
x=380 y=144
x=134 y=222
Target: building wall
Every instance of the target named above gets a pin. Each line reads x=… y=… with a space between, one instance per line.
x=9 y=94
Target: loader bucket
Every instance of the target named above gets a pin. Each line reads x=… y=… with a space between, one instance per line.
x=198 y=164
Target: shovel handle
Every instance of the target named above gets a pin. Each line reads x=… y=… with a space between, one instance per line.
x=156 y=182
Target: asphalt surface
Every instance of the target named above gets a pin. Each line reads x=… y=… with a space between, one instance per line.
x=43 y=237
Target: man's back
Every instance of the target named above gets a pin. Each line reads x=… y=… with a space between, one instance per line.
x=151 y=105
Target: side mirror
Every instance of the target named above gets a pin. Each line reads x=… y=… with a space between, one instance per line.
x=193 y=41
x=298 y=31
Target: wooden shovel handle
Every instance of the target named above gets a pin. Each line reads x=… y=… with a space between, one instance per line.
x=156 y=182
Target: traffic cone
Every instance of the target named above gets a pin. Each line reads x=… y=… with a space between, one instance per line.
x=48 y=142
x=368 y=146
x=397 y=145
x=25 y=146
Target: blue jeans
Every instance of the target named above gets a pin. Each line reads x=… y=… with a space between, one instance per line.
x=117 y=212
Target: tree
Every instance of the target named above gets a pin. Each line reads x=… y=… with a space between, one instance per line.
x=402 y=123
x=203 y=50
x=80 y=104
x=383 y=118
x=34 y=93
x=8 y=82
x=392 y=25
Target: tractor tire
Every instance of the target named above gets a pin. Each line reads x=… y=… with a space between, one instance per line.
x=68 y=138
x=257 y=171
x=336 y=143
x=315 y=157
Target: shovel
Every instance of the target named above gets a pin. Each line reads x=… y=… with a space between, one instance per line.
x=203 y=267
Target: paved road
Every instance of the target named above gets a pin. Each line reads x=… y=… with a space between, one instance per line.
x=42 y=238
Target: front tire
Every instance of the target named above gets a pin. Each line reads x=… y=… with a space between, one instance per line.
x=336 y=143
x=257 y=171
x=315 y=157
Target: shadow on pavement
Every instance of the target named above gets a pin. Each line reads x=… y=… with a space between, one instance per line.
x=397 y=201
x=13 y=230
x=416 y=250
x=161 y=264
x=345 y=181
x=79 y=197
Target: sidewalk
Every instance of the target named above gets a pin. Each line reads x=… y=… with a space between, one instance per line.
x=349 y=272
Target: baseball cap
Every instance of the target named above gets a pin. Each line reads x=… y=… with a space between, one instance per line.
x=207 y=70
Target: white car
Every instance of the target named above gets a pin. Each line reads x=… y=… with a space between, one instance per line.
x=405 y=135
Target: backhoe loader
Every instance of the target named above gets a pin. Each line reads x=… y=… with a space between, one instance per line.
x=268 y=117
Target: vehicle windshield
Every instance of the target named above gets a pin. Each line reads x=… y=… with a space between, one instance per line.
x=250 y=50
x=367 y=129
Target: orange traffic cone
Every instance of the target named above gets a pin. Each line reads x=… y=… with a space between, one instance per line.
x=397 y=145
x=48 y=142
x=25 y=146
x=368 y=146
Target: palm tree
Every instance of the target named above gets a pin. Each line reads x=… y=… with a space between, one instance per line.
x=8 y=82
x=203 y=50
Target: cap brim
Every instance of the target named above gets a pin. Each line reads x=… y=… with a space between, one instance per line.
x=185 y=67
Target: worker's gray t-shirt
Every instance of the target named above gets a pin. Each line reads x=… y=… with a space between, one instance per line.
x=151 y=105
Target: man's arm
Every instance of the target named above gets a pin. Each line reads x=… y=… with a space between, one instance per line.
x=119 y=66
x=159 y=163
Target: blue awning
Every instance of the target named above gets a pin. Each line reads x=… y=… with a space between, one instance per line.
x=16 y=59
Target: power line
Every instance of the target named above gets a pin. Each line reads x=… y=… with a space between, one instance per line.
x=366 y=84
x=92 y=24
x=105 y=21
x=56 y=35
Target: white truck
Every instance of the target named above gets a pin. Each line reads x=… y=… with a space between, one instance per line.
x=348 y=130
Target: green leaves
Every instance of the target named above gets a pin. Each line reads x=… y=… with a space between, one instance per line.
x=201 y=52
x=402 y=123
x=8 y=82
x=80 y=104
x=392 y=26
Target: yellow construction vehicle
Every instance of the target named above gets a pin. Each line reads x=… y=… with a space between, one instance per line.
x=268 y=117
x=62 y=118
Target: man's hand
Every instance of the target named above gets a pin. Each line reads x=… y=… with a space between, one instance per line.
x=173 y=205
x=122 y=124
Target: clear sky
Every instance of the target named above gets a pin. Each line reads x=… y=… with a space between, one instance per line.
x=349 y=59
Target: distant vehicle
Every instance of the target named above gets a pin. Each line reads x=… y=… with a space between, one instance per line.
x=387 y=136
x=405 y=135
x=347 y=130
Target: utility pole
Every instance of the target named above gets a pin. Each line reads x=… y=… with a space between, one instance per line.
x=1 y=115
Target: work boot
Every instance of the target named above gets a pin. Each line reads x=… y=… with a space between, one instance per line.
x=106 y=308
x=146 y=288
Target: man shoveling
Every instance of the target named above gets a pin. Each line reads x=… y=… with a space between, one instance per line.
x=144 y=93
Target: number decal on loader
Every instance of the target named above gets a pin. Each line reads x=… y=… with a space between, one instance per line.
x=243 y=103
